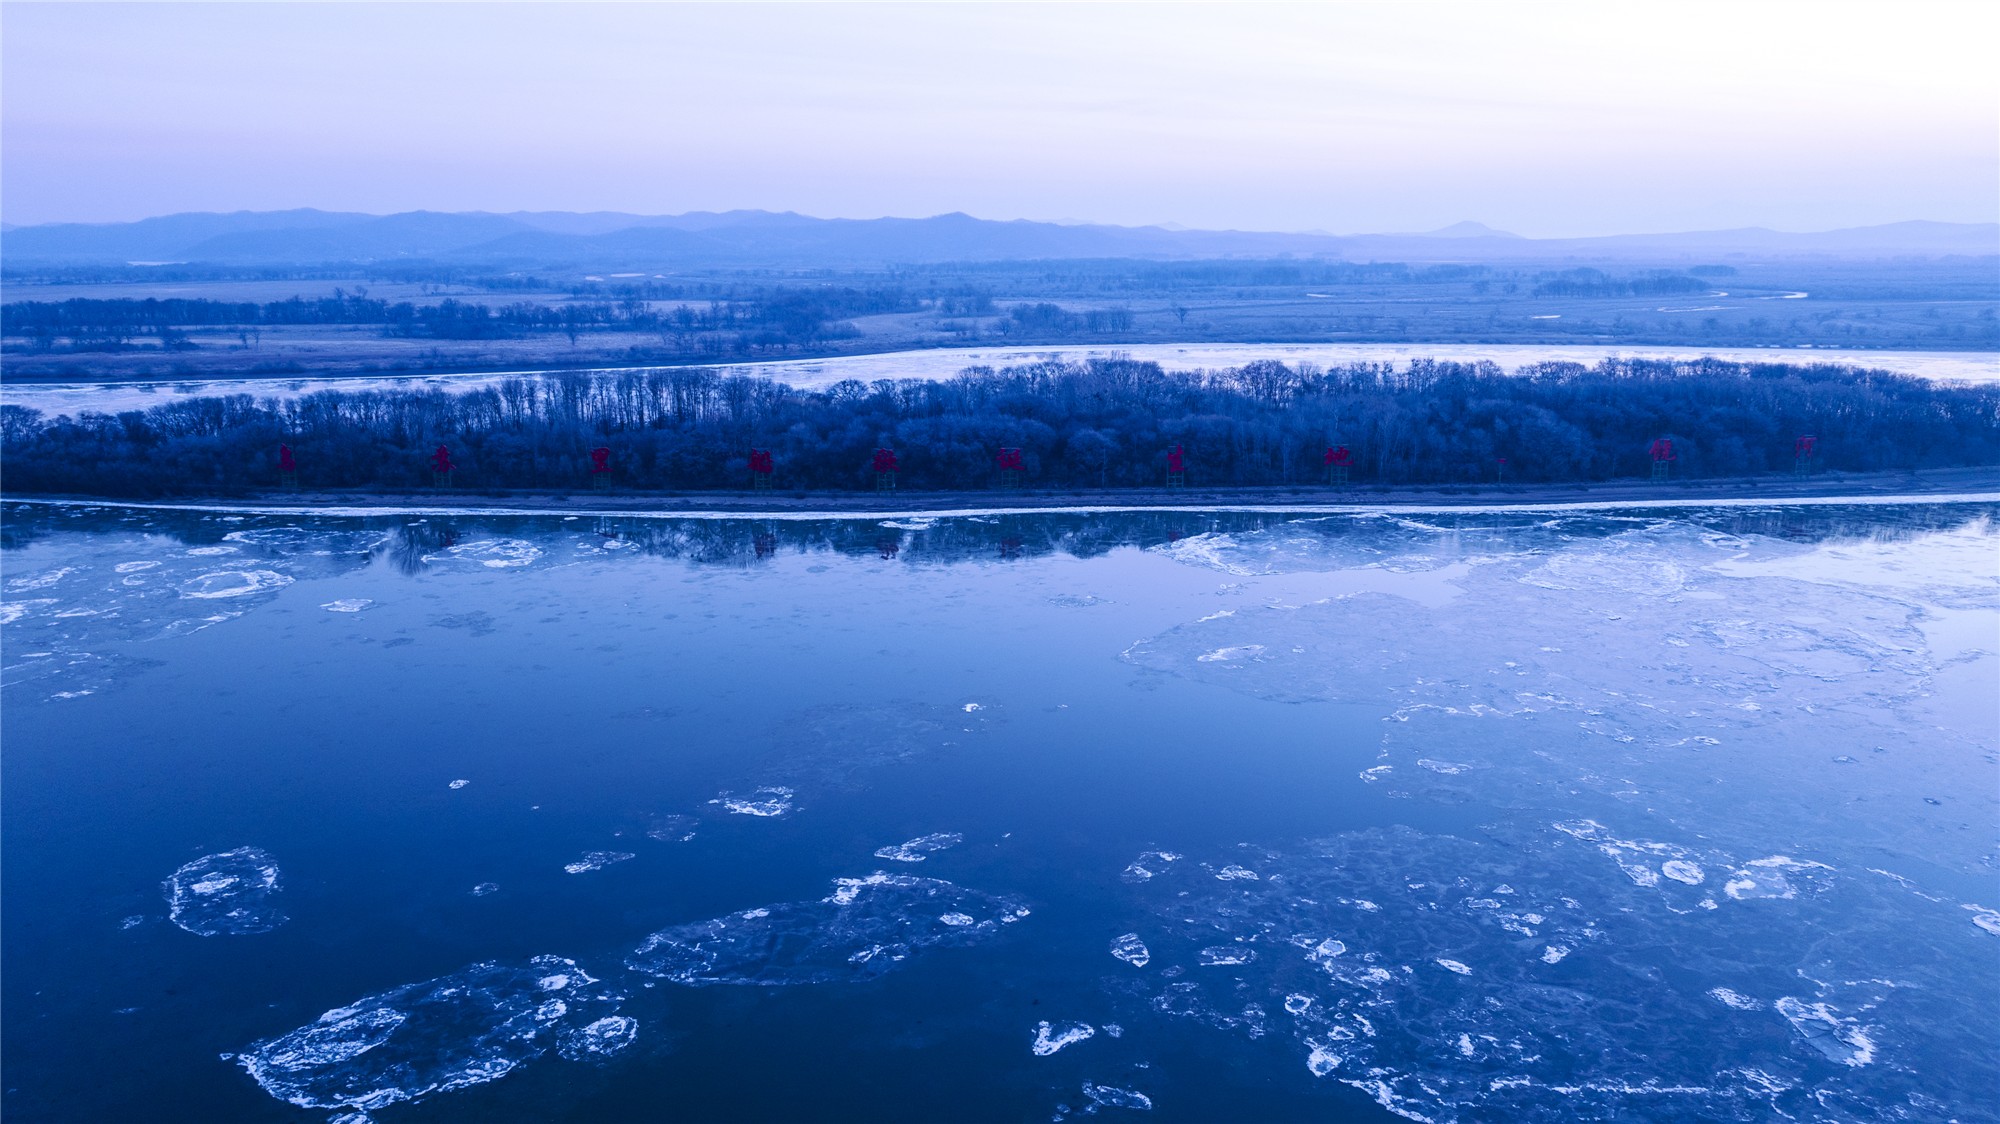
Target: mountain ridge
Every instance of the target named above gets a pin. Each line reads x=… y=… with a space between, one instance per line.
x=745 y=238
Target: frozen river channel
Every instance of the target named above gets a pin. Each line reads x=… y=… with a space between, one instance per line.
x=1617 y=814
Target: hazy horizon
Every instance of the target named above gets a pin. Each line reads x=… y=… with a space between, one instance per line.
x=1543 y=121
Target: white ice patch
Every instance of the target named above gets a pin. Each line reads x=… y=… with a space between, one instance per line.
x=1233 y=873
x=233 y=893
x=134 y=567
x=920 y=848
x=597 y=860
x=1223 y=955
x=1682 y=871
x=1448 y=768
x=234 y=583
x=496 y=554
x=461 y=783
x=1986 y=919
x=1131 y=950
x=1233 y=654
x=1735 y=999
x=347 y=605
x=1052 y=1037
x=1148 y=865
x=1553 y=954
x=866 y=927
x=599 y=1039
x=1839 y=1039
x=1453 y=966
x=1379 y=772
x=453 y=1032
x=770 y=800
x=1104 y=1096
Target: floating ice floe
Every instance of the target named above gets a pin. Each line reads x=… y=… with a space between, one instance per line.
x=1986 y=919
x=1773 y=878
x=1052 y=1037
x=918 y=849
x=460 y=783
x=347 y=605
x=1222 y=955
x=234 y=583
x=1131 y=950
x=1231 y=654
x=485 y=888
x=1148 y=865
x=1735 y=999
x=596 y=860
x=468 y=1028
x=770 y=800
x=1105 y=1096
x=866 y=927
x=495 y=554
x=1234 y=873
x=233 y=893
x=209 y=551
x=1837 y=1038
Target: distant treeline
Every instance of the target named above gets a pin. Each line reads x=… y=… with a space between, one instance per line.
x=764 y=317
x=1597 y=283
x=1105 y=423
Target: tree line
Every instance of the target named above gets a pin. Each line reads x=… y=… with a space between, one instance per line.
x=768 y=316
x=1105 y=423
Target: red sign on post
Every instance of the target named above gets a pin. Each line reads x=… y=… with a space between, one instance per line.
x=885 y=460
x=1339 y=456
x=1009 y=460
x=760 y=461
x=1805 y=446
x=1662 y=449
x=286 y=463
x=441 y=460
x=600 y=459
x=1176 y=462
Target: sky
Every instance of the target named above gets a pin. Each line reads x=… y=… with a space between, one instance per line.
x=1545 y=119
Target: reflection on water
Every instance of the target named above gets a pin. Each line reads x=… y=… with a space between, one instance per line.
x=1673 y=813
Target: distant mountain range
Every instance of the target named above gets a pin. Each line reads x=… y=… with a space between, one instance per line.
x=603 y=240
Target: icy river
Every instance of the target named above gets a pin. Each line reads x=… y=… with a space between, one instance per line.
x=1674 y=813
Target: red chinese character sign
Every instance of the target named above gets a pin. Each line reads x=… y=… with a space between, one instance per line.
x=761 y=468
x=441 y=466
x=600 y=459
x=884 y=465
x=1339 y=459
x=1012 y=467
x=1662 y=452
x=1803 y=452
x=288 y=468
x=1176 y=467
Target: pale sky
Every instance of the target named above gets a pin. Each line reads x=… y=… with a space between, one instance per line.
x=1546 y=119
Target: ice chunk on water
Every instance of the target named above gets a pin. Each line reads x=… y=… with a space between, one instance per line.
x=1453 y=966
x=866 y=927
x=234 y=583
x=473 y=1026
x=457 y=784
x=1131 y=950
x=231 y=893
x=1104 y=1096
x=1839 y=1039
x=1986 y=919
x=1222 y=955
x=497 y=554
x=1735 y=999
x=1148 y=865
x=916 y=850
x=1231 y=654
x=597 y=860
x=600 y=1039
x=1681 y=871
x=1052 y=1037
x=770 y=800
x=347 y=605
x=672 y=829
x=1234 y=873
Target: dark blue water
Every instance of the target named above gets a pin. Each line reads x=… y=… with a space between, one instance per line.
x=1448 y=744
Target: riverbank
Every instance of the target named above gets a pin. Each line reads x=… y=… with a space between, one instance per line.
x=1983 y=483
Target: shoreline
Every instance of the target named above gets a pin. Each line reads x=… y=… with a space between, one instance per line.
x=1942 y=485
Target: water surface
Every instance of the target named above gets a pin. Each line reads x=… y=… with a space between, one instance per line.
x=1661 y=813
